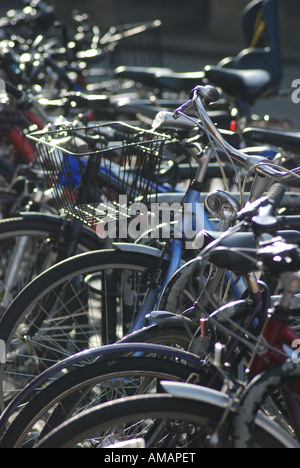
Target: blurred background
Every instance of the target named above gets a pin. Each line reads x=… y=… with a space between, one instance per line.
x=194 y=33
x=207 y=27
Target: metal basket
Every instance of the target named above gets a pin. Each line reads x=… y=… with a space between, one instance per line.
x=89 y=168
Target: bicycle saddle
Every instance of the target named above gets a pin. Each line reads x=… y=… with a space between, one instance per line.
x=242 y=241
x=288 y=140
x=161 y=77
x=246 y=85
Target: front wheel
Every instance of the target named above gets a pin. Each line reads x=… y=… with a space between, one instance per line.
x=30 y=245
x=162 y=421
x=83 y=302
x=85 y=387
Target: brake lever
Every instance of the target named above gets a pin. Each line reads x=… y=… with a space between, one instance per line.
x=182 y=109
x=251 y=209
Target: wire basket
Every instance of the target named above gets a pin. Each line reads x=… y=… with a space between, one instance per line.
x=88 y=169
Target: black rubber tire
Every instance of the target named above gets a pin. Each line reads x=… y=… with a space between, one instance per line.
x=87 y=376
x=90 y=423
x=19 y=314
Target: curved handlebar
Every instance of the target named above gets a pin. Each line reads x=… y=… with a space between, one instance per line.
x=202 y=96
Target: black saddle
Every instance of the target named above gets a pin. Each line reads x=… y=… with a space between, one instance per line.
x=162 y=78
x=245 y=85
x=243 y=242
x=288 y=140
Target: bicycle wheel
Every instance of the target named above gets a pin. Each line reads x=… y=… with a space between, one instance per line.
x=163 y=421
x=30 y=245
x=86 y=387
x=83 y=302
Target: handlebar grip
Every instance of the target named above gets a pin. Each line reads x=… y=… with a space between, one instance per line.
x=276 y=193
x=13 y=91
x=208 y=94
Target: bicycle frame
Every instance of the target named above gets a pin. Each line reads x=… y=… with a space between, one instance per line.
x=191 y=198
x=280 y=336
x=21 y=144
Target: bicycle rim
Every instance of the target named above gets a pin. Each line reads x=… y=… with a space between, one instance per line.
x=82 y=303
x=162 y=421
x=87 y=387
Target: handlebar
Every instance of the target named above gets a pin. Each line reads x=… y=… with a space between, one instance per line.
x=202 y=96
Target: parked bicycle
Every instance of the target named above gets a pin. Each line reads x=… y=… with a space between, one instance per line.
x=235 y=406
x=139 y=272
x=166 y=297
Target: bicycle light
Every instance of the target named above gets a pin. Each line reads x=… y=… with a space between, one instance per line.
x=222 y=205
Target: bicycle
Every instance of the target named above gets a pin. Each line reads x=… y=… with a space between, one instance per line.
x=12 y=88
x=133 y=255
x=189 y=417
x=56 y=230
x=248 y=404
x=40 y=48
x=254 y=73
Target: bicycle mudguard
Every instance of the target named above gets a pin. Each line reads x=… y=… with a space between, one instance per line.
x=141 y=249
x=221 y=400
x=35 y=215
x=196 y=392
x=166 y=319
x=40 y=215
x=106 y=351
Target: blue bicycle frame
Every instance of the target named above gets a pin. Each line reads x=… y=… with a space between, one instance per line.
x=191 y=199
x=238 y=289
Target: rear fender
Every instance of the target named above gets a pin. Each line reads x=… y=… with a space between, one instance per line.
x=196 y=392
x=221 y=400
x=141 y=249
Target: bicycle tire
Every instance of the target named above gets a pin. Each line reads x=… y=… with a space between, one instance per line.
x=40 y=250
x=179 y=336
x=47 y=224
x=118 y=373
x=194 y=414
x=23 y=321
